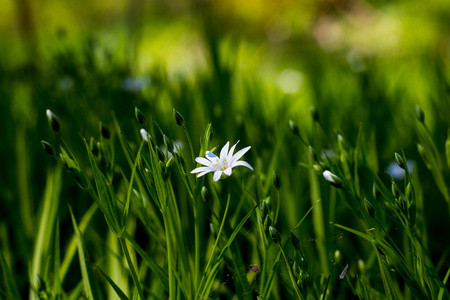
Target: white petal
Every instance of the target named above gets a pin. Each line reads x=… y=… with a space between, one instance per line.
x=203 y=161
x=211 y=156
x=201 y=169
x=239 y=154
x=327 y=175
x=217 y=175
x=227 y=171
x=203 y=173
x=224 y=151
x=230 y=153
x=242 y=163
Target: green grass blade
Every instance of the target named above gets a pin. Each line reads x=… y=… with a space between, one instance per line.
x=57 y=263
x=442 y=289
x=159 y=272
x=91 y=286
x=213 y=273
x=106 y=197
x=119 y=292
x=130 y=190
x=385 y=277
x=46 y=224
x=72 y=245
x=8 y=277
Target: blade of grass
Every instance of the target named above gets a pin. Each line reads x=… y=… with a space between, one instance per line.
x=11 y=288
x=119 y=292
x=91 y=286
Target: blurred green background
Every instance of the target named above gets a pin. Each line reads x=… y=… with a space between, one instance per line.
x=247 y=67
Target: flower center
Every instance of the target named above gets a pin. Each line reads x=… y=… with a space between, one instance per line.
x=222 y=165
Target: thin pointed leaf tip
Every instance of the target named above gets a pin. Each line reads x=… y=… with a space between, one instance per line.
x=222 y=165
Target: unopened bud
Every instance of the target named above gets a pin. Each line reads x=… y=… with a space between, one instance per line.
x=338 y=256
x=400 y=161
x=314 y=113
x=420 y=114
x=145 y=135
x=295 y=241
x=333 y=179
x=274 y=234
x=48 y=148
x=63 y=161
x=140 y=117
x=169 y=143
x=394 y=189
x=161 y=156
x=105 y=131
x=52 y=120
x=375 y=190
x=178 y=118
x=424 y=156
x=370 y=209
x=276 y=180
x=206 y=195
x=294 y=127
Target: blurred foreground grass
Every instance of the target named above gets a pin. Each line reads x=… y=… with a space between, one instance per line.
x=247 y=70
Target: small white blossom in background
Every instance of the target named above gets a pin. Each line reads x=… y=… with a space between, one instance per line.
x=144 y=134
x=223 y=164
x=333 y=179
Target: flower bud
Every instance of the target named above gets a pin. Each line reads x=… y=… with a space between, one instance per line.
x=375 y=190
x=48 y=148
x=394 y=189
x=211 y=228
x=105 y=131
x=178 y=118
x=52 y=120
x=400 y=161
x=420 y=115
x=312 y=153
x=169 y=143
x=314 y=113
x=370 y=209
x=145 y=135
x=274 y=234
x=276 y=180
x=161 y=156
x=206 y=195
x=63 y=161
x=295 y=241
x=338 y=256
x=294 y=127
x=332 y=179
x=424 y=156
x=140 y=117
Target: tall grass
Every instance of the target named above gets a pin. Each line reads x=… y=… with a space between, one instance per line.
x=113 y=211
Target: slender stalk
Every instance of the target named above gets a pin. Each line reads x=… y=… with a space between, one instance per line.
x=218 y=237
x=291 y=276
x=123 y=243
x=197 y=245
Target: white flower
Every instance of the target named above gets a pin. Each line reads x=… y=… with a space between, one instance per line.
x=144 y=134
x=333 y=179
x=223 y=164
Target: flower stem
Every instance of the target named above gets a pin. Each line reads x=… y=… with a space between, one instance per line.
x=218 y=236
